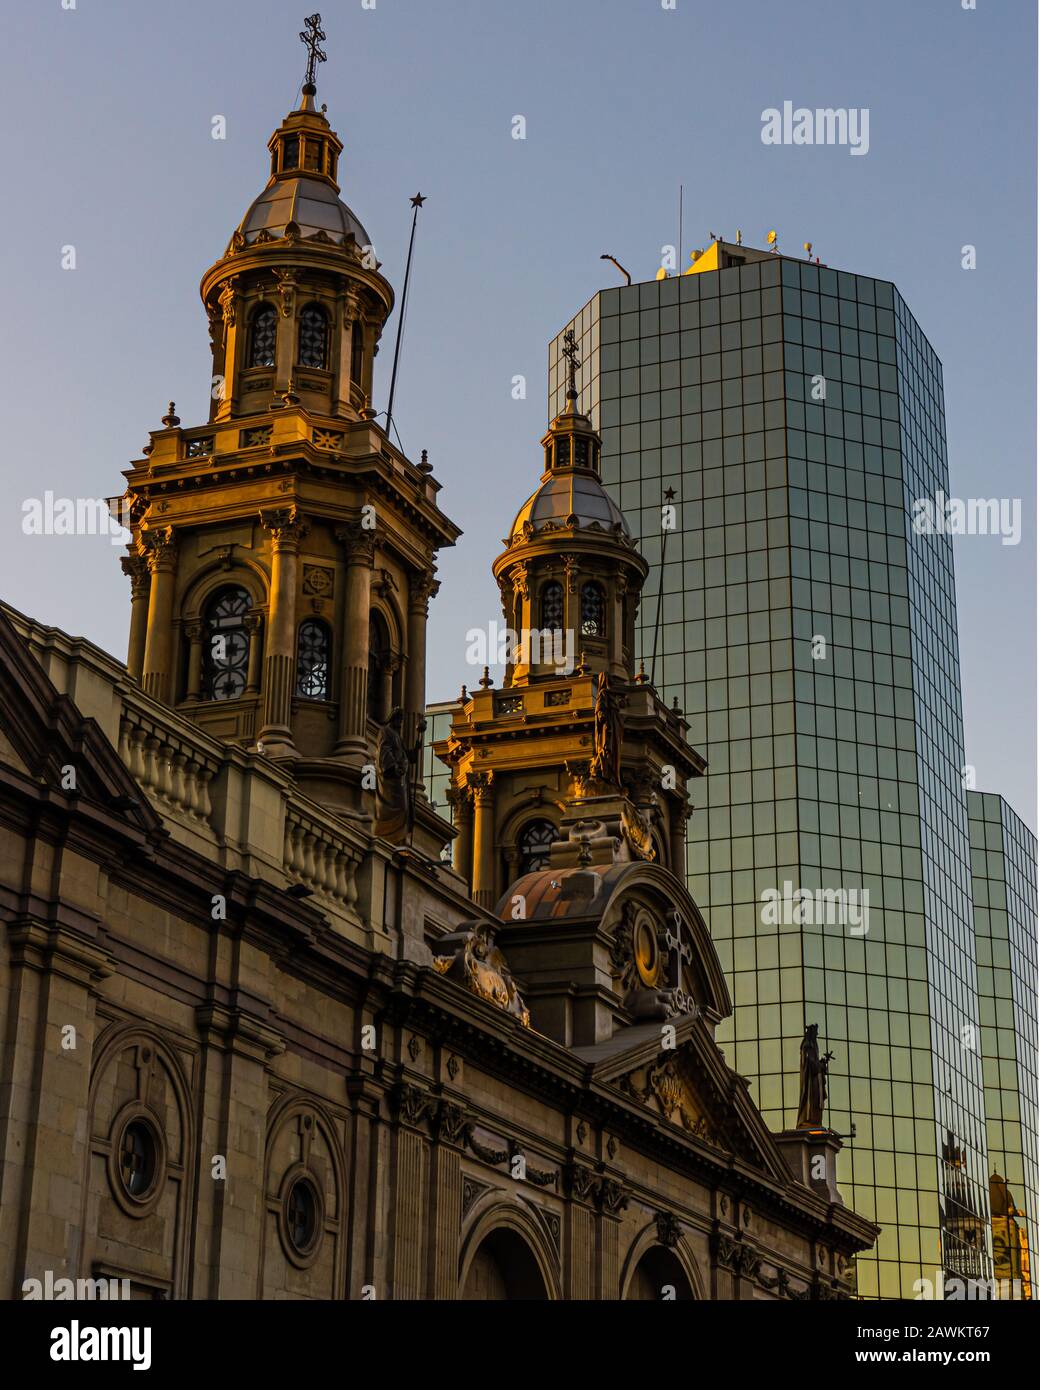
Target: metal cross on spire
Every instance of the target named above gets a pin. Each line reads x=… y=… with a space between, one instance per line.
x=570 y=351
x=312 y=36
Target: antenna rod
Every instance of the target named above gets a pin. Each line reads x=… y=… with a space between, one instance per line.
x=678 y=254
x=669 y=495
x=417 y=203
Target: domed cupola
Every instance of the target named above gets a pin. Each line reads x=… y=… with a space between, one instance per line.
x=570 y=565
x=296 y=304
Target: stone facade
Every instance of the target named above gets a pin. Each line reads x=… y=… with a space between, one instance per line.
x=254 y=1046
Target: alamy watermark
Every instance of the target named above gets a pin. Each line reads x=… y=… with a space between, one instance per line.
x=968 y=516
x=800 y=125
x=497 y=645
x=808 y=907
x=77 y=516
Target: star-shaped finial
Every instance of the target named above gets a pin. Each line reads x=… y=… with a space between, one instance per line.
x=418 y=201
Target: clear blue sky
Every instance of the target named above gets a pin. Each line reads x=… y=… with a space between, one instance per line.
x=107 y=112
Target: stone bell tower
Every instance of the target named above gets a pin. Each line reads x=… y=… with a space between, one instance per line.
x=575 y=746
x=283 y=551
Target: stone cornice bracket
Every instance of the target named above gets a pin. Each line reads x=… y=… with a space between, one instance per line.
x=737 y=1256
x=669 y=1231
x=411 y=1104
x=67 y=953
x=160 y=547
x=583 y=1184
x=286 y=290
x=286 y=524
x=359 y=542
x=518 y=575
x=228 y=301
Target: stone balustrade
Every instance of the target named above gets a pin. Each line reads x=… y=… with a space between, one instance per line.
x=168 y=763
x=320 y=856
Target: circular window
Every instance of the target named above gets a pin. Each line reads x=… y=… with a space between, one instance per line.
x=645 y=950
x=301 y=1216
x=138 y=1160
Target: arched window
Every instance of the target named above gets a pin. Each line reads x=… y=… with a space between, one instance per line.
x=262 y=330
x=593 y=605
x=533 y=843
x=552 y=607
x=356 y=352
x=314 y=337
x=378 y=668
x=226 y=650
x=291 y=152
x=312 y=660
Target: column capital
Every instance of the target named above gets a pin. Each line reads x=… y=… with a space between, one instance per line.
x=286 y=524
x=135 y=567
x=480 y=784
x=359 y=542
x=194 y=631
x=160 y=547
x=421 y=588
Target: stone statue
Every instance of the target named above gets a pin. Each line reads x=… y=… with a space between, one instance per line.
x=609 y=724
x=813 y=1091
x=394 y=799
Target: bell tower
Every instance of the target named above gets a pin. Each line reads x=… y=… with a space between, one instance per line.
x=283 y=551
x=575 y=745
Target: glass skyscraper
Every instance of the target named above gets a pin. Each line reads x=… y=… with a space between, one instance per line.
x=1003 y=873
x=796 y=412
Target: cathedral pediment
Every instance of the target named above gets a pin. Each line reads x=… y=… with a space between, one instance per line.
x=680 y=1076
x=664 y=1085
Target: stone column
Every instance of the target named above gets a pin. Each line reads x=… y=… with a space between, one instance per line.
x=679 y=816
x=230 y=307
x=136 y=567
x=252 y=623
x=287 y=530
x=161 y=551
x=349 y=325
x=421 y=589
x=360 y=544
x=285 y=343
x=517 y=609
x=194 y=633
x=461 y=799
x=483 y=838
x=571 y=604
x=616 y=620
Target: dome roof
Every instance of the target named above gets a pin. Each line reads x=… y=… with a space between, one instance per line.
x=570 y=498
x=312 y=203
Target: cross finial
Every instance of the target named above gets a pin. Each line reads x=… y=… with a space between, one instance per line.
x=312 y=36
x=570 y=351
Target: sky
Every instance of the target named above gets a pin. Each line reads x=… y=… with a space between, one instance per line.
x=109 y=105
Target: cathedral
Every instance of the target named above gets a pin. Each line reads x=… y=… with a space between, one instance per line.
x=274 y=1028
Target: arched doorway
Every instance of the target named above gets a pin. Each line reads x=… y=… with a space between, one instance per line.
x=503 y=1268
x=659 y=1276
